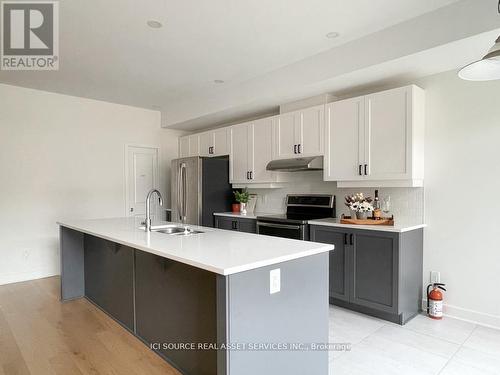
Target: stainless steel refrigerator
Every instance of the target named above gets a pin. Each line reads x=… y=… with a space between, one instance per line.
x=200 y=187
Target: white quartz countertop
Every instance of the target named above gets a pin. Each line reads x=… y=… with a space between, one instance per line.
x=398 y=227
x=239 y=215
x=221 y=251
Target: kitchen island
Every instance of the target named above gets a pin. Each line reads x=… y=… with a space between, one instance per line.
x=216 y=302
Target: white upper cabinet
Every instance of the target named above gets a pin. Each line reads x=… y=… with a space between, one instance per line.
x=215 y=142
x=221 y=142
x=311 y=141
x=345 y=140
x=287 y=126
x=184 y=147
x=252 y=145
x=262 y=150
x=189 y=145
x=240 y=156
x=300 y=133
x=206 y=143
x=376 y=139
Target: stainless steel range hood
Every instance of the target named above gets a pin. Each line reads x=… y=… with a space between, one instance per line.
x=314 y=163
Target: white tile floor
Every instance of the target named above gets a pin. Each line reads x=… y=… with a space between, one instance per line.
x=422 y=346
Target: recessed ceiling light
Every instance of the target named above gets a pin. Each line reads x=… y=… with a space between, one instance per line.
x=218 y=81
x=154 y=24
x=332 y=35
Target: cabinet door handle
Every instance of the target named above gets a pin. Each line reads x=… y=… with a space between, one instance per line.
x=298 y=149
x=235 y=225
x=351 y=239
x=366 y=169
x=251 y=175
x=248 y=175
x=360 y=170
x=345 y=238
x=294 y=149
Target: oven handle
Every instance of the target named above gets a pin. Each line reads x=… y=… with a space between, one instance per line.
x=280 y=226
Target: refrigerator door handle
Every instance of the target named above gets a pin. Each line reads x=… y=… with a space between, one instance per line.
x=179 y=211
x=184 y=192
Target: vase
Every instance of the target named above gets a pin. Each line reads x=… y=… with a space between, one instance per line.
x=236 y=207
x=361 y=215
x=243 y=208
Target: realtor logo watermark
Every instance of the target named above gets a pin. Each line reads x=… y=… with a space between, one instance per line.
x=30 y=35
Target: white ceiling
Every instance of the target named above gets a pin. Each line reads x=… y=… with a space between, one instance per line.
x=265 y=51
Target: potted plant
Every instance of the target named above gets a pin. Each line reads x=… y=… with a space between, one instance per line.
x=359 y=205
x=242 y=198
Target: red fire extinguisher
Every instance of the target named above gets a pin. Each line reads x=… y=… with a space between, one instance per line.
x=435 y=300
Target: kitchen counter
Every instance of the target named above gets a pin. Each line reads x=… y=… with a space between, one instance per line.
x=217 y=288
x=397 y=228
x=239 y=215
x=216 y=250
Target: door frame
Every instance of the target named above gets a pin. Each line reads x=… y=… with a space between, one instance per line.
x=158 y=173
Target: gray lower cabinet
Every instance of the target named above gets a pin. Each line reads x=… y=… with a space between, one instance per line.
x=375 y=272
x=176 y=303
x=109 y=278
x=237 y=224
x=339 y=277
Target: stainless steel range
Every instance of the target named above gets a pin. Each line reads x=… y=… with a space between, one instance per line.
x=300 y=208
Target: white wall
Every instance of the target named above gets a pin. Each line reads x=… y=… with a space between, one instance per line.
x=462 y=187
x=63 y=157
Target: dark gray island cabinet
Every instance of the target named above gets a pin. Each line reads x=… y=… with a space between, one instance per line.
x=204 y=321
x=375 y=272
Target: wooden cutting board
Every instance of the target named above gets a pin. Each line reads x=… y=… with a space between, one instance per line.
x=383 y=221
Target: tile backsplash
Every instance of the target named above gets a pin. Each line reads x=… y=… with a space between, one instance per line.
x=407 y=204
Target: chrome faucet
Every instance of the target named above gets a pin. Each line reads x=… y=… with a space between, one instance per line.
x=147 y=223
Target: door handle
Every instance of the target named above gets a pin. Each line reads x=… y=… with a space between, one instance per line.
x=179 y=213
x=366 y=169
x=294 y=149
x=248 y=175
x=298 y=148
x=251 y=175
x=184 y=193
x=345 y=238
x=351 y=239
x=360 y=170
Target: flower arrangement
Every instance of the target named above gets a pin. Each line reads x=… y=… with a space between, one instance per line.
x=359 y=203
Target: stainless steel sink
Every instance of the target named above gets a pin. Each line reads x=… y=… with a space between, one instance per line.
x=172 y=229
x=179 y=230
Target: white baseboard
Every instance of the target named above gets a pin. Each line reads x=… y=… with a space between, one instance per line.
x=25 y=276
x=472 y=316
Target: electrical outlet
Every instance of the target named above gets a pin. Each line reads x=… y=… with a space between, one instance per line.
x=274 y=281
x=435 y=277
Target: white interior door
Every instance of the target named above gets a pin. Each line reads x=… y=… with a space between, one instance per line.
x=141 y=177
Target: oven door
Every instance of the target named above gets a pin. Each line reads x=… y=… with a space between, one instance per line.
x=293 y=231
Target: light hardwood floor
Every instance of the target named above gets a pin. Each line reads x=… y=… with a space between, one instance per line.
x=41 y=336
